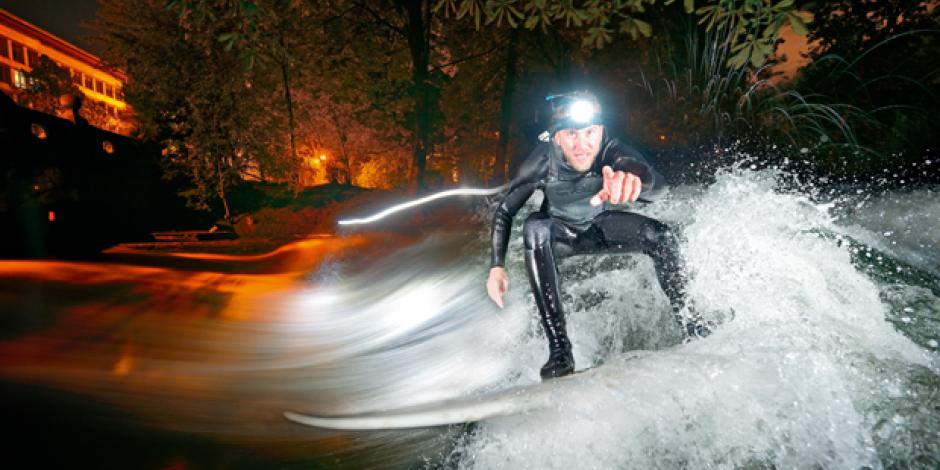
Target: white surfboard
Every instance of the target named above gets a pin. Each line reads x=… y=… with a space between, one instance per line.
x=520 y=399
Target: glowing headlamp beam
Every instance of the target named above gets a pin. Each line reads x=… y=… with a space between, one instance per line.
x=423 y=200
x=581 y=111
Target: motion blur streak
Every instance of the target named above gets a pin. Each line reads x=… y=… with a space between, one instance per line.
x=423 y=200
x=830 y=359
x=332 y=326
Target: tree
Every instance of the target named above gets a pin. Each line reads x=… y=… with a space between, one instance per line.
x=191 y=95
x=50 y=88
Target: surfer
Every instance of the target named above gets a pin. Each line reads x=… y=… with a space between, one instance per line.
x=584 y=174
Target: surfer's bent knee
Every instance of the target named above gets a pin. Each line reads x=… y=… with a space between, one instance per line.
x=537 y=230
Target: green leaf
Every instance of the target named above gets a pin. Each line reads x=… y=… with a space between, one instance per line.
x=738 y=60
x=799 y=27
x=449 y=6
x=771 y=29
x=531 y=22
x=597 y=37
x=757 y=56
x=784 y=4
x=689 y=6
x=645 y=29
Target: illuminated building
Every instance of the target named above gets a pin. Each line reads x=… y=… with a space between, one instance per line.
x=21 y=46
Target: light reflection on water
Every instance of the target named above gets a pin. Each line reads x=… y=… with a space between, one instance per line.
x=223 y=354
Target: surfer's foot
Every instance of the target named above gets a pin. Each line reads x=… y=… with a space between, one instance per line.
x=560 y=363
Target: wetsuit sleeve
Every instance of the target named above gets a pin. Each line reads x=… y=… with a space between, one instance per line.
x=530 y=174
x=622 y=157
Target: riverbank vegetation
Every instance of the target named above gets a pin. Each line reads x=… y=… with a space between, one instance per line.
x=427 y=93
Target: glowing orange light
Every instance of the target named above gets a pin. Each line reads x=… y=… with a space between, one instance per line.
x=38 y=131
x=662 y=137
x=51 y=216
x=323 y=157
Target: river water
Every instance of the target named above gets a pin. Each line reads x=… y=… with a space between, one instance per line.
x=826 y=355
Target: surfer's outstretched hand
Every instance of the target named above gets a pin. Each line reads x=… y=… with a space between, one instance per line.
x=619 y=187
x=498 y=284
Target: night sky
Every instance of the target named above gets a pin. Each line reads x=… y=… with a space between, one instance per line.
x=63 y=18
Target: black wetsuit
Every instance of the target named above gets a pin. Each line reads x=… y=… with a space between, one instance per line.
x=567 y=225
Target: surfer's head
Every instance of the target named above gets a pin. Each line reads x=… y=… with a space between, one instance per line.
x=577 y=127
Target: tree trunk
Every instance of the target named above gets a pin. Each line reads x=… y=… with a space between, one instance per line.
x=418 y=30
x=505 y=115
x=290 y=109
x=346 y=160
x=220 y=190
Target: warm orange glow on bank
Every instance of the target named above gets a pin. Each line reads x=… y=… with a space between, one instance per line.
x=791 y=54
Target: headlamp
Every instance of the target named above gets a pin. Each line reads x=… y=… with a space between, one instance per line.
x=581 y=111
x=572 y=110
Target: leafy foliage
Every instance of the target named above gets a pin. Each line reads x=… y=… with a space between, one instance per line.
x=881 y=56
x=752 y=26
x=695 y=101
x=191 y=95
x=50 y=88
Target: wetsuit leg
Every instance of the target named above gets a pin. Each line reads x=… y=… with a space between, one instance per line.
x=625 y=232
x=541 y=234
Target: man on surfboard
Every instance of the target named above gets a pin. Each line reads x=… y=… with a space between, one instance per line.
x=583 y=174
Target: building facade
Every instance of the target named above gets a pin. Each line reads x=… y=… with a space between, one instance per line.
x=21 y=46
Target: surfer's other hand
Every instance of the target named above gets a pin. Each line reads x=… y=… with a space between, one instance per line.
x=497 y=284
x=619 y=187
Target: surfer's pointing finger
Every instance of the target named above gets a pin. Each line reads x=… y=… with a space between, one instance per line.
x=616 y=186
x=604 y=193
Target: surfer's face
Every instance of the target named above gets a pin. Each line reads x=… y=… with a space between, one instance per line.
x=580 y=146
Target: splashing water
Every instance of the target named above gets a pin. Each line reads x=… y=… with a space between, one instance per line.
x=814 y=363
x=808 y=373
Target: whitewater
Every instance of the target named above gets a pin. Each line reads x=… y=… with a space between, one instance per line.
x=808 y=367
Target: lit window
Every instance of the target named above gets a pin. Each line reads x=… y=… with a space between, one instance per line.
x=19 y=79
x=89 y=83
x=38 y=131
x=18 y=55
x=119 y=93
x=98 y=86
x=76 y=77
x=108 y=147
x=108 y=90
